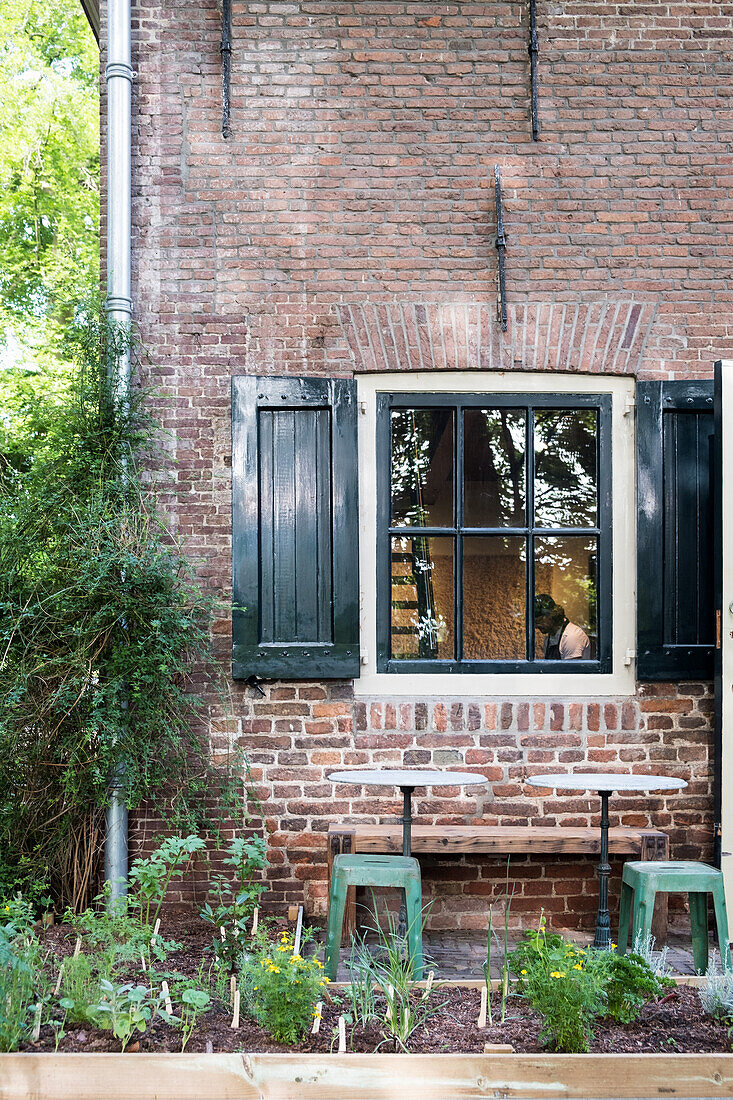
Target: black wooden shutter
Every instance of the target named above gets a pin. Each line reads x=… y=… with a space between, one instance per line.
x=675 y=633
x=295 y=528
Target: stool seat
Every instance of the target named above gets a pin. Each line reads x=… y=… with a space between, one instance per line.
x=402 y=872
x=642 y=881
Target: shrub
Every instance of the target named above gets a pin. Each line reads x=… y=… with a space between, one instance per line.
x=716 y=992
x=572 y=986
x=281 y=987
x=238 y=900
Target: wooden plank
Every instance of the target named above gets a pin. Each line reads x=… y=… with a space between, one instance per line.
x=361 y=1076
x=500 y=839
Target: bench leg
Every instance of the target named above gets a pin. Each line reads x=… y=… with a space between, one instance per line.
x=413 y=904
x=336 y=905
x=658 y=848
x=721 y=924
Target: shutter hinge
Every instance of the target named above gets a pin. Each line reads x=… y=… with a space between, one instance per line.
x=630 y=656
x=362 y=408
x=630 y=405
x=364 y=657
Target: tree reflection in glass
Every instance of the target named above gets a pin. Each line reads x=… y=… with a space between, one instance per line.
x=565 y=488
x=494 y=475
x=422 y=467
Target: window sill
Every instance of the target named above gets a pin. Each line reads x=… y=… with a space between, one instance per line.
x=503 y=685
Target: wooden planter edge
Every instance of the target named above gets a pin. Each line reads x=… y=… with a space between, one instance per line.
x=361 y=1076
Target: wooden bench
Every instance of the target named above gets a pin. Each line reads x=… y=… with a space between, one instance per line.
x=498 y=841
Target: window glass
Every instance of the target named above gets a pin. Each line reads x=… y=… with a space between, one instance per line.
x=565 y=597
x=422 y=598
x=516 y=533
x=565 y=490
x=494 y=475
x=422 y=467
x=494 y=598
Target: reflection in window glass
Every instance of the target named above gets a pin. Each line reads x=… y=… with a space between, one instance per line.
x=494 y=467
x=494 y=599
x=565 y=490
x=422 y=467
x=422 y=598
x=565 y=578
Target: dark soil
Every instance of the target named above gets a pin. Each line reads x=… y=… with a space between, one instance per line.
x=675 y=1024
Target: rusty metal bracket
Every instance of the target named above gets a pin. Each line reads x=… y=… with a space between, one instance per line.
x=226 y=66
x=501 y=249
x=533 y=50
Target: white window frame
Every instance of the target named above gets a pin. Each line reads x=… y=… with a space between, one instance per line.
x=622 y=679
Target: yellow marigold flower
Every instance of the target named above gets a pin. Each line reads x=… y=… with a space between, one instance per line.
x=522 y=971
x=577 y=967
x=316 y=1013
x=274 y=969
x=613 y=946
x=581 y=951
x=297 y=958
x=557 y=974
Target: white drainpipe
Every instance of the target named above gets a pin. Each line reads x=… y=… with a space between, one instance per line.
x=118 y=76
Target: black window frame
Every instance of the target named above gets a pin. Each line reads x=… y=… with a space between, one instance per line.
x=602 y=402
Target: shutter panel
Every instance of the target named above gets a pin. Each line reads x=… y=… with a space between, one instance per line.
x=295 y=528
x=675 y=530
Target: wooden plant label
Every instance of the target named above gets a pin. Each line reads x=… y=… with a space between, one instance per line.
x=481 y=1022
x=298 y=931
x=167 y=994
x=223 y=933
x=255 y=917
x=342 y=1035
x=142 y=961
x=428 y=984
x=498 y=1048
x=37 y=1022
x=59 y=980
x=154 y=936
x=390 y=997
x=77 y=949
x=235 y=1018
x=317 y=1018
x=232 y=989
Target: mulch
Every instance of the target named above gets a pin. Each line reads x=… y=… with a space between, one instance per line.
x=674 y=1025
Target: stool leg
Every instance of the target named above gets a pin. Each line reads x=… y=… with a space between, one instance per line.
x=699 y=927
x=624 y=915
x=336 y=906
x=721 y=924
x=413 y=898
x=643 y=912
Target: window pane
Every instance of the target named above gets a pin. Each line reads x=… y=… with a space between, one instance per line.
x=565 y=598
x=494 y=599
x=565 y=493
x=494 y=467
x=422 y=467
x=422 y=598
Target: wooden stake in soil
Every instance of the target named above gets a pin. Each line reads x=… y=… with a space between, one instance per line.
x=37 y=1022
x=317 y=1012
x=292 y=912
x=167 y=994
x=223 y=934
x=235 y=1018
x=298 y=931
x=428 y=984
x=154 y=937
x=77 y=949
x=481 y=1022
x=498 y=1048
x=342 y=1035
x=255 y=918
x=57 y=988
x=232 y=989
x=142 y=961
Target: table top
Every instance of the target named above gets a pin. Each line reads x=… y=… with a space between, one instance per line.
x=406 y=777
x=606 y=781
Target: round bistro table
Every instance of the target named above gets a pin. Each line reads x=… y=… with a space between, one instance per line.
x=407 y=779
x=604 y=784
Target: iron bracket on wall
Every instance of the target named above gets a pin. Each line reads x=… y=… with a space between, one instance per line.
x=226 y=66
x=501 y=249
x=534 y=50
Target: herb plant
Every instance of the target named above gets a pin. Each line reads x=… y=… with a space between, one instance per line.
x=237 y=900
x=281 y=986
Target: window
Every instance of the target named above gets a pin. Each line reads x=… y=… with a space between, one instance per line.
x=494 y=534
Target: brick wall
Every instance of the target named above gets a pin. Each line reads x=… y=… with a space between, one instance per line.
x=357 y=187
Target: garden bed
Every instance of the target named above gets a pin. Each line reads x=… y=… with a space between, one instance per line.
x=675 y=1024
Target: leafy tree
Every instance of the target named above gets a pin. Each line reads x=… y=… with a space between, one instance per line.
x=49 y=206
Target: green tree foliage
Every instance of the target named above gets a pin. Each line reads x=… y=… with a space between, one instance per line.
x=101 y=625
x=49 y=204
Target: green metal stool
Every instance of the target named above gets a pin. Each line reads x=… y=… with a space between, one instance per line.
x=641 y=881
x=399 y=871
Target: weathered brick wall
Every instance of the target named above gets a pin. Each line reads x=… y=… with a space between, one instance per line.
x=357 y=187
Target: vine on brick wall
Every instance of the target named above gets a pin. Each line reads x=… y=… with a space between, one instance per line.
x=101 y=625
